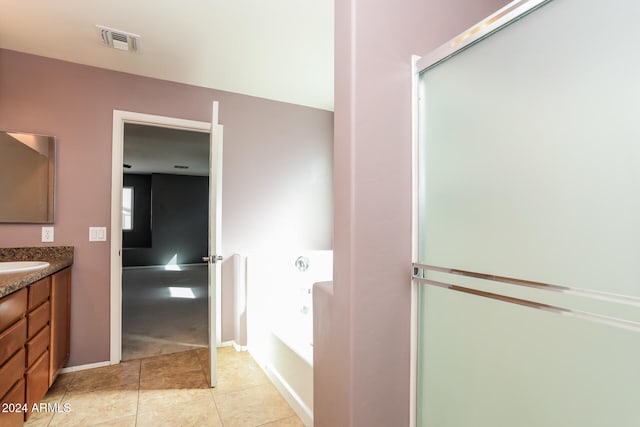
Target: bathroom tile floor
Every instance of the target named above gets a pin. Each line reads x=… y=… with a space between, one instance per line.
x=168 y=390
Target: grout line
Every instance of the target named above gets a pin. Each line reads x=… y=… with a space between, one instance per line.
x=215 y=405
x=279 y=419
x=66 y=390
x=244 y=362
x=138 y=401
x=204 y=372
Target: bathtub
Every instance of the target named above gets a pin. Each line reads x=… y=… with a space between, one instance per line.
x=280 y=320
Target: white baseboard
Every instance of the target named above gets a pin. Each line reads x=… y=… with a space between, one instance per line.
x=239 y=347
x=303 y=411
x=107 y=363
x=233 y=344
x=85 y=367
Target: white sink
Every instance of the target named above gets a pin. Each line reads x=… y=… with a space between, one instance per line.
x=22 y=266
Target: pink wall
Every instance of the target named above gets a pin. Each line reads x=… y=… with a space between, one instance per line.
x=362 y=340
x=271 y=195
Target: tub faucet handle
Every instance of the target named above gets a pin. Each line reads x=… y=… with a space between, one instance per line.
x=302 y=263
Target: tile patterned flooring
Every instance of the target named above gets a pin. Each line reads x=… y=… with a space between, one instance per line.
x=168 y=390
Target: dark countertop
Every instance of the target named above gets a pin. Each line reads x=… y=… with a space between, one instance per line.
x=58 y=258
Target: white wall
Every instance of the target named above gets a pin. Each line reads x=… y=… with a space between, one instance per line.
x=282 y=198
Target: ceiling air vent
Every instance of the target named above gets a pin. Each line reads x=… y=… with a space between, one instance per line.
x=118 y=39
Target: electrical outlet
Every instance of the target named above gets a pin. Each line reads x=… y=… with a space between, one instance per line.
x=47 y=234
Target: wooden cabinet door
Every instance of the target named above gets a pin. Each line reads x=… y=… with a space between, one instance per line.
x=37 y=379
x=60 y=321
x=12 y=414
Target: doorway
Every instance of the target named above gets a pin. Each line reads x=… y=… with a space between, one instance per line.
x=165 y=212
x=121 y=120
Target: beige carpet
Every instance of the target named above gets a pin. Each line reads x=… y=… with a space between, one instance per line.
x=163 y=311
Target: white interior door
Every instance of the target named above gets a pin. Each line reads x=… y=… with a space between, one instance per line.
x=215 y=248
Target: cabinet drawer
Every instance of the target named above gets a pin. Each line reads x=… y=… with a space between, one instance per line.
x=39 y=292
x=15 y=396
x=11 y=371
x=37 y=378
x=12 y=339
x=12 y=307
x=37 y=345
x=37 y=318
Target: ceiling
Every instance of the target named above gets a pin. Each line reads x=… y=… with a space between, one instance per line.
x=274 y=49
x=151 y=149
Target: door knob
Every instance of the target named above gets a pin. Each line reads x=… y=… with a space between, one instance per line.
x=212 y=259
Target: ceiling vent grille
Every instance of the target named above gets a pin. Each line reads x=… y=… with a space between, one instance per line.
x=118 y=39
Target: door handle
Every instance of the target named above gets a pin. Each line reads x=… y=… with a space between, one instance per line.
x=212 y=259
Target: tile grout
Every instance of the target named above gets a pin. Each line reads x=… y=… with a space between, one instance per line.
x=135 y=423
x=121 y=383
x=213 y=397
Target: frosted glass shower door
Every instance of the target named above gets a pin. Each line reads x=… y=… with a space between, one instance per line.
x=528 y=264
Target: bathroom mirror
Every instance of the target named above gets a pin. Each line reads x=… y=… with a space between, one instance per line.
x=27 y=171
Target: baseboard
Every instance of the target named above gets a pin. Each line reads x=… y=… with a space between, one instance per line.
x=107 y=363
x=303 y=411
x=84 y=367
x=238 y=347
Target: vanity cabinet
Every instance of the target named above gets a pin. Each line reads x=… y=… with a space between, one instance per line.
x=60 y=345
x=37 y=345
x=34 y=343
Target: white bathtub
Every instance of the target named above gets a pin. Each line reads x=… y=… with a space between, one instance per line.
x=280 y=321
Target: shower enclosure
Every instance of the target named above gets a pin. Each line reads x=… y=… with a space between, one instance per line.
x=527 y=240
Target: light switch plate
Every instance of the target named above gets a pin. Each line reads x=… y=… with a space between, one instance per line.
x=97 y=234
x=47 y=234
